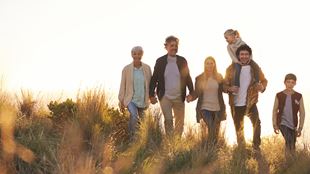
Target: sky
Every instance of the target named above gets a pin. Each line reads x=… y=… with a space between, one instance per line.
x=61 y=46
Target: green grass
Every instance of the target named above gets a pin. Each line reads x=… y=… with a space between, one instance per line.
x=94 y=139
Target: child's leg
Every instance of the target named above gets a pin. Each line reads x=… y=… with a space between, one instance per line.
x=255 y=68
x=290 y=138
x=237 y=74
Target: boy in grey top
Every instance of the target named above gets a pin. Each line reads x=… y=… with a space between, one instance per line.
x=289 y=113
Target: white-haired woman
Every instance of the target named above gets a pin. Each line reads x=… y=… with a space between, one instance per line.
x=134 y=88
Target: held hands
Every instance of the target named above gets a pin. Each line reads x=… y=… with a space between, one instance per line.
x=233 y=89
x=153 y=100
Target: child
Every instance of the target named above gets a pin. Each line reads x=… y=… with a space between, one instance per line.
x=285 y=113
x=234 y=42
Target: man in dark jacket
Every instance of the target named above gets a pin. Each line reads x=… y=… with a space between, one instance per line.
x=170 y=78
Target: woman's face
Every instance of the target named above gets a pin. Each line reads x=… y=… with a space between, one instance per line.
x=209 y=65
x=137 y=56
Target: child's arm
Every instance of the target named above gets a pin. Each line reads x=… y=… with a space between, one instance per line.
x=301 y=116
x=274 y=115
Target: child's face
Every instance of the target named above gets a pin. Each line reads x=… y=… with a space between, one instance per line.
x=289 y=84
x=172 y=48
x=230 y=38
x=137 y=56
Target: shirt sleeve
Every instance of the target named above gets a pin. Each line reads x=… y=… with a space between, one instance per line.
x=274 y=113
x=301 y=114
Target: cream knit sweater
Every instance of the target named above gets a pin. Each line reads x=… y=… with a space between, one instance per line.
x=232 y=48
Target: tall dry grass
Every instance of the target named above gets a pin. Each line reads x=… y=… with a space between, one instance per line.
x=93 y=138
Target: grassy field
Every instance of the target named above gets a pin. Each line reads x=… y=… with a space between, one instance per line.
x=87 y=135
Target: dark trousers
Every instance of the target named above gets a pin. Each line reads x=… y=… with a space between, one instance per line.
x=289 y=137
x=238 y=118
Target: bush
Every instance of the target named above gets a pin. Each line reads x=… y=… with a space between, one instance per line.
x=62 y=111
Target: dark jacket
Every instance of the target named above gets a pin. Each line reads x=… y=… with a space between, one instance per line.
x=158 y=78
x=295 y=106
x=199 y=93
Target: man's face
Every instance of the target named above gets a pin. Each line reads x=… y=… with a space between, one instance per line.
x=289 y=84
x=172 y=48
x=244 y=57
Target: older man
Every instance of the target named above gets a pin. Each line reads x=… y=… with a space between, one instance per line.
x=243 y=101
x=170 y=78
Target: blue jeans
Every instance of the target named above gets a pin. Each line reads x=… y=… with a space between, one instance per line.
x=212 y=120
x=135 y=114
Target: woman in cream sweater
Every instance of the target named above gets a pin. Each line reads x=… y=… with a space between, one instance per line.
x=134 y=88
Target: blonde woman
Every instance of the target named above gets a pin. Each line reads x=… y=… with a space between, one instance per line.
x=210 y=105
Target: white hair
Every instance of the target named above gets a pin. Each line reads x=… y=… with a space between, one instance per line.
x=137 y=48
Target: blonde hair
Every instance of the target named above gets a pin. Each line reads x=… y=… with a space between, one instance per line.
x=217 y=76
x=232 y=32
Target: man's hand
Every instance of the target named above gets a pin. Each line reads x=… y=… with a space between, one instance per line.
x=153 y=100
x=189 y=98
x=260 y=87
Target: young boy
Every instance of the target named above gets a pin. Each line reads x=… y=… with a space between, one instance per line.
x=287 y=105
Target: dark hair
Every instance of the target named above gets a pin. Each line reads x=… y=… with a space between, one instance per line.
x=171 y=38
x=290 y=76
x=244 y=47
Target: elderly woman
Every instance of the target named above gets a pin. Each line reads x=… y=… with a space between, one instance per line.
x=134 y=88
x=210 y=105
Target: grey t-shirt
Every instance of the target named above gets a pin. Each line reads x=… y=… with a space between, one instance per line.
x=287 y=115
x=172 y=79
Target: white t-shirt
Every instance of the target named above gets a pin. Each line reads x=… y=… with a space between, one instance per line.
x=245 y=80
